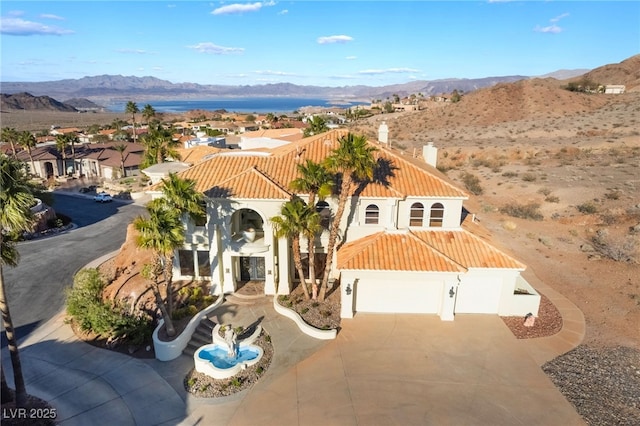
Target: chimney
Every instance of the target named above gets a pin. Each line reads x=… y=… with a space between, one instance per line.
x=430 y=154
x=383 y=133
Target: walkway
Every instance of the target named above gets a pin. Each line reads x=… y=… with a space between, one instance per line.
x=382 y=369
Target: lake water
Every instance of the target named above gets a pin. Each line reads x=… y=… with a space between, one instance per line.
x=248 y=105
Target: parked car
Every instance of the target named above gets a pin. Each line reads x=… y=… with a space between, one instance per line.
x=103 y=197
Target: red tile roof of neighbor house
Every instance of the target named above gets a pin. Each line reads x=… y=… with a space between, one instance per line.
x=395 y=177
x=425 y=251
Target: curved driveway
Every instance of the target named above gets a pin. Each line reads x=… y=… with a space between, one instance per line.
x=35 y=288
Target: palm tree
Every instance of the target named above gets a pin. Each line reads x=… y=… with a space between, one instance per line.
x=293 y=221
x=121 y=148
x=72 y=139
x=10 y=135
x=159 y=145
x=28 y=141
x=132 y=109
x=181 y=195
x=162 y=232
x=148 y=112
x=354 y=161
x=61 y=146
x=317 y=125
x=16 y=199
x=316 y=181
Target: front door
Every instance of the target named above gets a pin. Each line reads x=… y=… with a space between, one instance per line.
x=252 y=268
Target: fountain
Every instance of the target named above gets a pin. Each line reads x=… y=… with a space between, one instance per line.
x=227 y=356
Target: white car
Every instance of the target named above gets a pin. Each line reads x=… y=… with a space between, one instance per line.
x=103 y=197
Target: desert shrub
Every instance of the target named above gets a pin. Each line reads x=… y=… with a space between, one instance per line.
x=523 y=211
x=544 y=191
x=552 y=199
x=509 y=174
x=529 y=177
x=472 y=183
x=587 y=208
x=620 y=250
x=612 y=195
x=105 y=318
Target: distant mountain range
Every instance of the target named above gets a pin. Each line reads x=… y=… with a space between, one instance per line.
x=106 y=89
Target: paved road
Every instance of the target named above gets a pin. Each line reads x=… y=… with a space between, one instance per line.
x=36 y=286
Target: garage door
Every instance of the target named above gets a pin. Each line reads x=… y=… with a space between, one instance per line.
x=398 y=296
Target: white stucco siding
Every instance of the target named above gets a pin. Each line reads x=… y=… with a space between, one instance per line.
x=479 y=292
x=394 y=292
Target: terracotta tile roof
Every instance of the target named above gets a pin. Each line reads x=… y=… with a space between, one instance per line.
x=428 y=251
x=394 y=252
x=249 y=184
x=395 y=177
x=468 y=250
x=196 y=154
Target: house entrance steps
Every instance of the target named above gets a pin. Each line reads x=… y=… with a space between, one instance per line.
x=200 y=337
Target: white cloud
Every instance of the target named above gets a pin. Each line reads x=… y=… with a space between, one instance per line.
x=241 y=8
x=50 y=16
x=214 y=49
x=135 y=51
x=270 y=72
x=553 y=29
x=334 y=39
x=559 y=17
x=388 y=71
x=283 y=12
x=351 y=58
x=21 y=27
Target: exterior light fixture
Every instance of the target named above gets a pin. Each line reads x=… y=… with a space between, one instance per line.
x=348 y=290
x=451 y=292
x=226 y=270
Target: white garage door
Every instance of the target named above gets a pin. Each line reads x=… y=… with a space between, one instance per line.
x=398 y=296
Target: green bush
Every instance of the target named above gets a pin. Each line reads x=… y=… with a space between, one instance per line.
x=108 y=319
x=523 y=211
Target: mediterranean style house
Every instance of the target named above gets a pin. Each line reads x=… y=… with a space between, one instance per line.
x=404 y=246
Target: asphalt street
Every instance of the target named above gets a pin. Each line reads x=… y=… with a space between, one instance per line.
x=35 y=288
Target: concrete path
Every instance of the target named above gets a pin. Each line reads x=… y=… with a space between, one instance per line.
x=381 y=370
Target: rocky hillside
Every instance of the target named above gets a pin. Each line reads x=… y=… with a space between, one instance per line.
x=26 y=101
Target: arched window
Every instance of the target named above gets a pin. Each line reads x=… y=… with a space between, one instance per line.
x=371 y=214
x=437 y=215
x=324 y=210
x=416 y=214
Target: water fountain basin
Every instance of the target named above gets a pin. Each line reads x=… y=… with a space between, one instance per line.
x=213 y=359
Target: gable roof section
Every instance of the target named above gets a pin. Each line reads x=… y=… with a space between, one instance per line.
x=394 y=252
x=468 y=250
x=395 y=178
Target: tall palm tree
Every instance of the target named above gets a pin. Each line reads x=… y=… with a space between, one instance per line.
x=121 y=148
x=72 y=139
x=9 y=134
x=148 y=112
x=181 y=195
x=296 y=219
x=162 y=232
x=314 y=179
x=353 y=160
x=28 y=141
x=132 y=108
x=61 y=146
x=16 y=199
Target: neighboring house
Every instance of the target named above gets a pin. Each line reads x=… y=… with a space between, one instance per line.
x=157 y=172
x=614 y=89
x=405 y=240
x=201 y=139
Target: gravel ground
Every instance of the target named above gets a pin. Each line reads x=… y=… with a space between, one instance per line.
x=603 y=384
x=548 y=322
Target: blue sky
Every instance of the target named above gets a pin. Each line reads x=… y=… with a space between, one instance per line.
x=326 y=43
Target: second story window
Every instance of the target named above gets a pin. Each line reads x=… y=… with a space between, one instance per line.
x=437 y=215
x=416 y=215
x=371 y=214
x=202 y=220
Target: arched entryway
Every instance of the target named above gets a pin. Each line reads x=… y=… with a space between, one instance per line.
x=48 y=168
